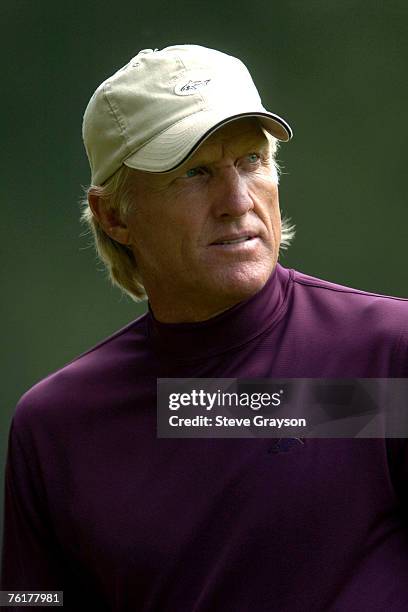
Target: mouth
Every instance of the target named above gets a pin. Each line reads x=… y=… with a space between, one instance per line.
x=227 y=240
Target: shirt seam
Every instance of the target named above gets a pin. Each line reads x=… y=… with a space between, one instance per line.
x=394 y=356
x=347 y=290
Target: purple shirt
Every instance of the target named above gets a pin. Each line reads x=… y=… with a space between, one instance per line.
x=119 y=520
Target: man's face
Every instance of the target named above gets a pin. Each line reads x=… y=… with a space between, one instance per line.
x=206 y=236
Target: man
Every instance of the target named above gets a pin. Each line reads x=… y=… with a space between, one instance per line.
x=184 y=207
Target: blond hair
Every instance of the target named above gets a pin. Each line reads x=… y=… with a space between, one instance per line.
x=118 y=259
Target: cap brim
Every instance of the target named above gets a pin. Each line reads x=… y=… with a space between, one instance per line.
x=175 y=145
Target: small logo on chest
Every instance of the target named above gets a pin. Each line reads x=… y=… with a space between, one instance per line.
x=284 y=445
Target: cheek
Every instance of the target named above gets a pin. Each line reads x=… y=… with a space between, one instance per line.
x=276 y=222
x=164 y=241
x=267 y=198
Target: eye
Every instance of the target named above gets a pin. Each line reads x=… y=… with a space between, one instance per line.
x=192 y=172
x=253 y=158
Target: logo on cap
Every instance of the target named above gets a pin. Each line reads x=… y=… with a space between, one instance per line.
x=190 y=88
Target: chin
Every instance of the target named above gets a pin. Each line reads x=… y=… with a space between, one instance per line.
x=238 y=285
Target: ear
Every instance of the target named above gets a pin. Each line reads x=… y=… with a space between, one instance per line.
x=109 y=220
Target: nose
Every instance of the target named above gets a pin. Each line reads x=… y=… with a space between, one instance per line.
x=231 y=197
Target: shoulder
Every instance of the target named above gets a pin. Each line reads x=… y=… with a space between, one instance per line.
x=371 y=327
x=85 y=381
x=348 y=299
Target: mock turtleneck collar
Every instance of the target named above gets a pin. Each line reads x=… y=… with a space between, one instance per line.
x=229 y=329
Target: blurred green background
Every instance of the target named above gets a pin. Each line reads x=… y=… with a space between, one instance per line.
x=337 y=70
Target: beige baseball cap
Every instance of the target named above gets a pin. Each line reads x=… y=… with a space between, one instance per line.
x=153 y=113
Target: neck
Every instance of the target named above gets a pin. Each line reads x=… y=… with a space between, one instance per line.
x=190 y=311
x=233 y=326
